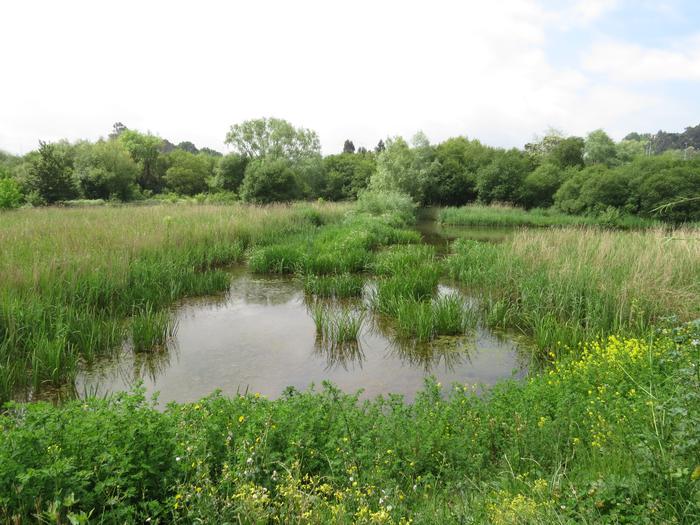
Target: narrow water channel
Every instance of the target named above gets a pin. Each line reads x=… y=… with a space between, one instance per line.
x=260 y=337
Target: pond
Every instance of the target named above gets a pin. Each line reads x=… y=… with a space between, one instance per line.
x=260 y=337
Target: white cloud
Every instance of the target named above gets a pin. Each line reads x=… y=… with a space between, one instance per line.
x=360 y=70
x=624 y=61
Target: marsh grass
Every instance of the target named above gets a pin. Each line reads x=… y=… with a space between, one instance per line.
x=505 y=215
x=69 y=278
x=336 y=324
x=426 y=320
x=398 y=259
x=563 y=286
x=151 y=329
x=413 y=284
x=340 y=286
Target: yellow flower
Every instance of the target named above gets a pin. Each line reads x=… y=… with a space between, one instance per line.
x=241 y=419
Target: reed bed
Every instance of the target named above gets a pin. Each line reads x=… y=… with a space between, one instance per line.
x=563 y=286
x=70 y=278
x=505 y=215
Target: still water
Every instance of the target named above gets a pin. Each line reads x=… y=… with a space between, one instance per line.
x=260 y=337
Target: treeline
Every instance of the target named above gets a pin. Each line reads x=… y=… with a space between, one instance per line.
x=274 y=161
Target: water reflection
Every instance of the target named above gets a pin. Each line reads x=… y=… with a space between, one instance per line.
x=260 y=337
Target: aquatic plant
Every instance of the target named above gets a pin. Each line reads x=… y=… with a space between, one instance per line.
x=339 y=286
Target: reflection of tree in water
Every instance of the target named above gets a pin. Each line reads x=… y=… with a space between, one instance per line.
x=339 y=354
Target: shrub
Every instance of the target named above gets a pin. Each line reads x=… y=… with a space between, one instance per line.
x=10 y=194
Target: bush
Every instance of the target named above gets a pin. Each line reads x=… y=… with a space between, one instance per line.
x=392 y=204
x=269 y=181
x=10 y=194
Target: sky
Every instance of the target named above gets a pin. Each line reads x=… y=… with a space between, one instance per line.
x=500 y=71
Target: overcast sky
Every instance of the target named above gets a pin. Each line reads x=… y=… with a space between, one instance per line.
x=500 y=71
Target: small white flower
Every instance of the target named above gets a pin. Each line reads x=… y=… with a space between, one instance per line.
x=389 y=508
x=695 y=342
x=178 y=458
x=249 y=461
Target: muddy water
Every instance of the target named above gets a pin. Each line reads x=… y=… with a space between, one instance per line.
x=260 y=337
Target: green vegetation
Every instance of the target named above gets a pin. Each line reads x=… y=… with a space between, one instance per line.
x=336 y=325
x=565 y=286
x=501 y=215
x=70 y=278
x=602 y=431
x=594 y=178
x=339 y=286
x=607 y=437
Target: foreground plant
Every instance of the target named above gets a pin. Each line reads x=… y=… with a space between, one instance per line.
x=606 y=437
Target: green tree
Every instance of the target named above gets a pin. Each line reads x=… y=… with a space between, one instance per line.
x=273 y=138
x=269 y=180
x=567 y=153
x=10 y=194
x=404 y=169
x=599 y=148
x=51 y=173
x=188 y=173
x=541 y=184
x=347 y=174
x=145 y=150
x=105 y=169
x=501 y=180
x=454 y=181
x=628 y=150
x=230 y=171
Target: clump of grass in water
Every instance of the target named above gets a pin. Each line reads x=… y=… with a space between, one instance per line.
x=426 y=320
x=417 y=284
x=276 y=258
x=336 y=325
x=397 y=259
x=339 y=286
x=151 y=329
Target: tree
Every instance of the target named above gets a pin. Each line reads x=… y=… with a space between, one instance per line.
x=230 y=171
x=188 y=173
x=399 y=168
x=346 y=175
x=348 y=147
x=188 y=147
x=567 y=153
x=454 y=181
x=501 y=180
x=628 y=150
x=117 y=129
x=10 y=194
x=541 y=184
x=599 y=148
x=51 y=173
x=104 y=170
x=145 y=150
x=273 y=138
x=380 y=146
x=269 y=180
x=541 y=148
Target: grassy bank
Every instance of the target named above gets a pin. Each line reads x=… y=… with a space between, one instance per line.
x=71 y=278
x=564 y=286
x=502 y=215
x=606 y=437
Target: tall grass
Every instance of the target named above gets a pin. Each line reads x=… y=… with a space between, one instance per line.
x=565 y=285
x=336 y=325
x=70 y=277
x=339 y=286
x=504 y=215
